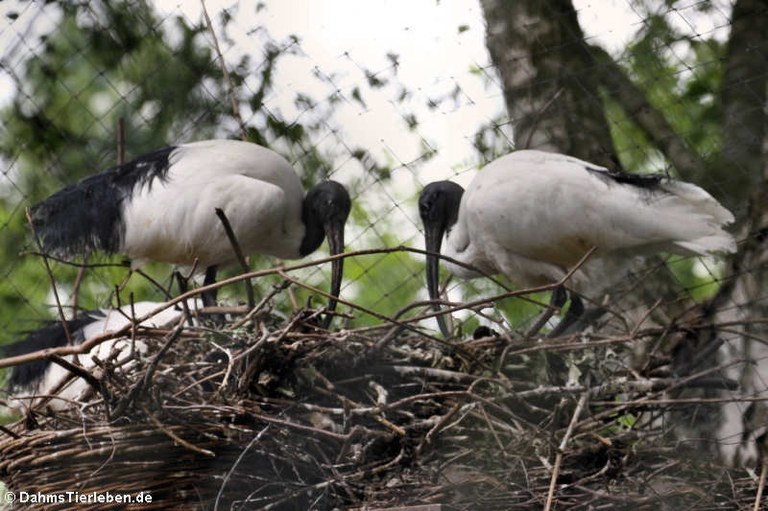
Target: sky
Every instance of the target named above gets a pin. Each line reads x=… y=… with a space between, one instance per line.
x=434 y=58
x=340 y=37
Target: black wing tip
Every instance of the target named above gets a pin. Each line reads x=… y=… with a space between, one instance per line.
x=86 y=216
x=647 y=181
x=50 y=335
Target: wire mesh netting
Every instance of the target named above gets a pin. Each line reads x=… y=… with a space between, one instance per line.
x=656 y=400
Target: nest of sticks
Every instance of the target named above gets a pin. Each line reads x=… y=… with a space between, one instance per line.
x=267 y=413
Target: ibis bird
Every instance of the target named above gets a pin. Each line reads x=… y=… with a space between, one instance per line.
x=532 y=216
x=42 y=380
x=161 y=207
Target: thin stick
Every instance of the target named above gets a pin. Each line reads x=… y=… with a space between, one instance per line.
x=81 y=372
x=76 y=286
x=120 y=141
x=240 y=457
x=282 y=270
x=59 y=308
x=561 y=448
x=176 y=438
x=760 y=486
x=239 y=253
x=227 y=77
x=252 y=311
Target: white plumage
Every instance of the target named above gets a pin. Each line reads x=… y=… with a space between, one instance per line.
x=162 y=207
x=257 y=189
x=32 y=383
x=532 y=216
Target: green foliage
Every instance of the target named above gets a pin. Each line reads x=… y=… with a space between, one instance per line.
x=678 y=75
x=384 y=283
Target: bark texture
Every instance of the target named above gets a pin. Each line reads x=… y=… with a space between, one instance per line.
x=743 y=99
x=548 y=77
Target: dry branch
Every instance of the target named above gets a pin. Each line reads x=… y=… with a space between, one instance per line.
x=282 y=414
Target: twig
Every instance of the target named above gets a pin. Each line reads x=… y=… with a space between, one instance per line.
x=80 y=372
x=238 y=253
x=231 y=470
x=120 y=141
x=76 y=286
x=561 y=449
x=59 y=308
x=439 y=425
x=253 y=311
x=227 y=77
x=760 y=487
x=9 y=432
x=147 y=379
x=154 y=282
x=176 y=438
x=230 y=363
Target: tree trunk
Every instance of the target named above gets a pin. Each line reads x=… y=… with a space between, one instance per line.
x=548 y=78
x=743 y=174
x=743 y=98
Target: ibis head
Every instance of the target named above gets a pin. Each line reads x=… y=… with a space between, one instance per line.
x=439 y=209
x=324 y=213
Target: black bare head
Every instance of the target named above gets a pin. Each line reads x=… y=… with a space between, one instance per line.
x=439 y=210
x=439 y=205
x=324 y=213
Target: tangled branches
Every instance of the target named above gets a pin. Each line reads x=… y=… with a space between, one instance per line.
x=271 y=413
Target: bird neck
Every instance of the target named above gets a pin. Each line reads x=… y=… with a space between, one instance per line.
x=314 y=233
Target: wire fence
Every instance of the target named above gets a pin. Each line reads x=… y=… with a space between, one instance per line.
x=381 y=167
x=82 y=83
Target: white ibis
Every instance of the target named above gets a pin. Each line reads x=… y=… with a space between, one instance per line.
x=31 y=382
x=533 y=215
x=161 y=207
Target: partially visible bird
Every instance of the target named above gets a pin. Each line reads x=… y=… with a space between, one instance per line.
x=161 y=207
x=32 y=383
x=532 y=216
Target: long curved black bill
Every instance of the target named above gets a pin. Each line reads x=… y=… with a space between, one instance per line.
x=433 y=239
x=335 y=235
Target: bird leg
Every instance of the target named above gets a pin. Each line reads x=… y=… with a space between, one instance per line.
x=556 y=302
x=182 y=281
x=209 y=297
x=571 y=317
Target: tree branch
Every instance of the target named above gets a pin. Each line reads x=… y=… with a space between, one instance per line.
x=649 y=119
x=743 y=96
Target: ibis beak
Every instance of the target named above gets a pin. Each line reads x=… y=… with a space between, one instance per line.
x=433 y=240
x=334 y=231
